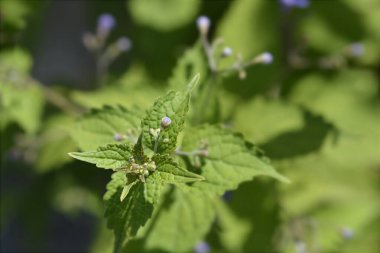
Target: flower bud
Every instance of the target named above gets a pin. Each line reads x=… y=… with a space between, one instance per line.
x=266 y=58
x=295 y=3
x=356 y=49
x=202 y=247
x=347 y=233
x=124 y=44
x=165 y=122
x=119 y=137
x=203 y=24
x=227 y=51
x=106 y=22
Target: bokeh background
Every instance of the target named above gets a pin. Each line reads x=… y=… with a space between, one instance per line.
x=314 y=111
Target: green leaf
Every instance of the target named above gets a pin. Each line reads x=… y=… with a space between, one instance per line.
x=22 y=99
x=112 y=156
x=173 y=105
x=125 y=218
x=21 y=103
x=169 y=171
x=182 y=221
x=229 y=161
x=126 y=188
x=100 y=126
x=55 y=143
x=163 y=15
x=191 y=63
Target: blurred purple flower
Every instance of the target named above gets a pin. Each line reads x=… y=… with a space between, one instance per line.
x=124 y=44
x=202 y=247
x=356 y=49
x=106 y=22
x=295 y=3
x=203 y=24
x=266 y=58
x=347 y=233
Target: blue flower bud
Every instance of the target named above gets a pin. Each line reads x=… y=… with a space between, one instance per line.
x=165 y=122
x=202 y=247
x=106 y=22
x=203 y=24
x=124 y=44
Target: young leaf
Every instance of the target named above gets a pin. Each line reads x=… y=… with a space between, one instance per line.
x=112 y=156
x=126 y=189
x=229 y=161
x=126 y=217
x=106 y=126
x=173 y=105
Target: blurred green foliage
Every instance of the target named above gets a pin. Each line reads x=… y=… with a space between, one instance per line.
x=314 y=111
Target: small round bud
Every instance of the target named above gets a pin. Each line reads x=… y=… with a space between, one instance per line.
x=227 y=51
x=124 y=44
x=356 y=49
x=295 y=3
x=347 y=233
x=106 y=22
x=118 y=137
x=165 y=122
x=266 y=58
x=203 y=24
x=202 y=247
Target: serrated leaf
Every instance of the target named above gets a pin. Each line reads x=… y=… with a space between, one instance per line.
x=126 y=217
x=170 y=172
x=181 y=222
x=229 y=161
x=173 y=105
x=100 y=126
x=112 y=156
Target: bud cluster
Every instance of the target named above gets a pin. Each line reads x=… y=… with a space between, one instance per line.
x=142 y=170
x=96 y=43
x=203 y=24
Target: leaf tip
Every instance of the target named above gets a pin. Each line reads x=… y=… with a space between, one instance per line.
x=193 y=82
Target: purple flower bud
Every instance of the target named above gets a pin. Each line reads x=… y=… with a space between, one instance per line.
x=106 y=22
x=202 y=247
x=295 y=3
x=165 y=122
x=124 y=44
x=356 y=49
x=118 y=137
x=266 y=58
x=227 y=51
x=347 y=233
x=203 y=24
